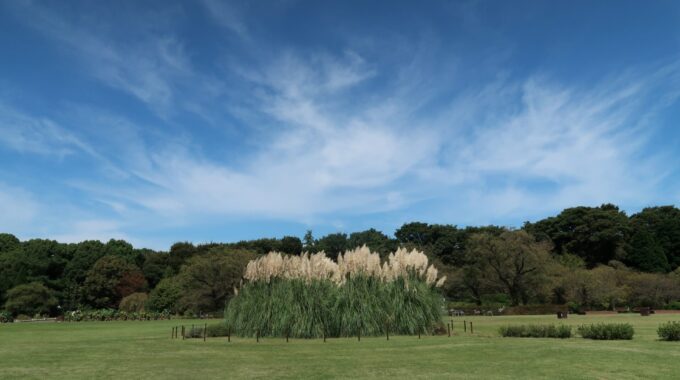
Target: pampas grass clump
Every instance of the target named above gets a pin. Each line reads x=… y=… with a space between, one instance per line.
x=312 y=296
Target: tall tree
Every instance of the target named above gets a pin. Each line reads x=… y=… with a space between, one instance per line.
x=8 y=242
x=596 y=234
x=110 y=279
x=209 y=280
x=308 y=242
x=514 y=261
x=664 y=225
x=645 y=253
x=291 y=245
x=416 y=233
x=373 y=239
x=179 y=254
x=333 y=244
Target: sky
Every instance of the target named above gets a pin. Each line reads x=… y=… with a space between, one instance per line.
x=159 y=122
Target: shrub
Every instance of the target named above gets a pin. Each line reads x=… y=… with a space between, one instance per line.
x=212 y=331
x=675 y=305
x=218 y=329
x=6 y=317
x=134 y=302
x=536 y=331
x=165 y=296
x=114 y=315
x=669 y=331
x=32 y=298
x=607 y=331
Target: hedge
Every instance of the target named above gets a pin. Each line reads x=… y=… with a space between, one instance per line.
x=536 y=331
x=114 y=315
x=669 y=331
x=607 y=331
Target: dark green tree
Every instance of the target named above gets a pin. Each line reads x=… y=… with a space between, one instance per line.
x=416 y=233
x=209 y=280
x=156 y=265
x=332 y=244
x=596 y=234
x=30 y=299
x=373 y=239
x=513 y=261
x=86 y=253
x=179 y=254
x=110 y=279
x=8 y=242
x=664 y=225
x=291 y=245
x=166 y=295
x=308 y=242
x=646 y=254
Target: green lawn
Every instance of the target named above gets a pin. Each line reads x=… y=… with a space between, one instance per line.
x=144 y=350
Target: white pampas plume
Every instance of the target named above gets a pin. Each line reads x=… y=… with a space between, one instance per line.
x=359 y=261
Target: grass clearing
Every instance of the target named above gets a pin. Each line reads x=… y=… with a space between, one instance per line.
x=145 y=350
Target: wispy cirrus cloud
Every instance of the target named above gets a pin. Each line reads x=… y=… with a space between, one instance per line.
x=40 y=135
x=147 y=61
x=405 y=126
x=228 y=15
x=547 y=146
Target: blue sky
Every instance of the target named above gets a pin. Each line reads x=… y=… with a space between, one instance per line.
x=205 y=121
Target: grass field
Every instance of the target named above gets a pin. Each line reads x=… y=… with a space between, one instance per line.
x=144 y=350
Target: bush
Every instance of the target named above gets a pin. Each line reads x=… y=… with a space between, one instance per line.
x=114 y=315
x=675 y=305
x=669 y=331
x=6 y=317
x=533 y=309
x=536 y=331
x=607 y=331
x=219 y=329
x=32 y=298
x=165 y=296
x=212 y=331
x=134 y=302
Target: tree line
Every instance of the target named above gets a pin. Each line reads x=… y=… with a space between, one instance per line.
x=588 y=257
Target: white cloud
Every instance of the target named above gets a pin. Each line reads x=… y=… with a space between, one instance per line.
x=339 y=134
x=228 y=15
x=19 y=208
x=515 y=150
x=148 y=63
x=91 y=229
x=26 y=134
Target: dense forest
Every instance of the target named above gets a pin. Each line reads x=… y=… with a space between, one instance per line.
x=584 y=257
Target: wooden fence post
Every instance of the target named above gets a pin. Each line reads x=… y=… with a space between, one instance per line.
x=387 y=330
x=205 y=331
x=464 y=326
x=472 y=330
x=228 y=334
x=448 y=328
x=183 y=332
x=257 y=336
